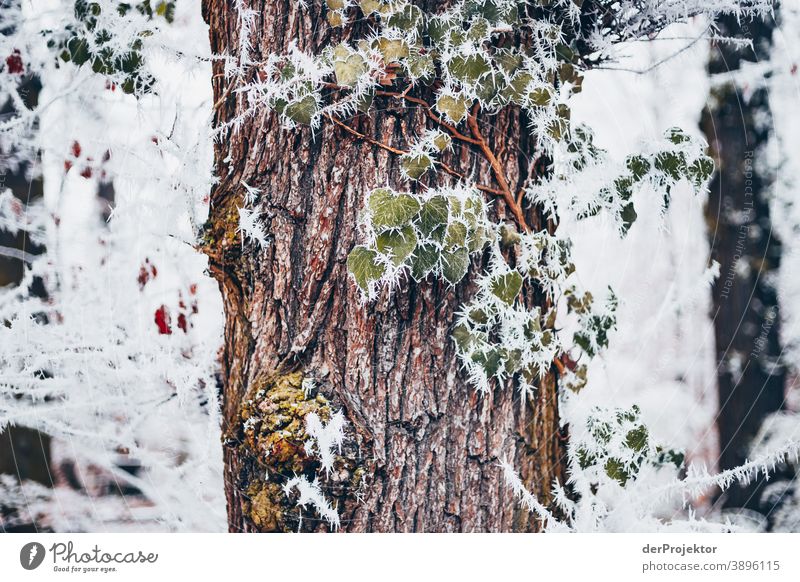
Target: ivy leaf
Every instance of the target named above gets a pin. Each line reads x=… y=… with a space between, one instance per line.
x=392 y=50
x=517 y=88
x=397 y=244
x=456 y=235
x=442 y=141
x=455 y=264
x=302 y=111
x=433 y=215
x=390 y=210
x=462 y=337
x=369 y=6
x=638 y=166
x=423 y=261
x=469 y=69
x=506 y=287
x=490 y=360
x=628 y=216
x=348 y=67
x=362 y=264
x=672 y=164
x=454 y=107
x=420 y=66
x=405 y=19
x=416 y=166
x=541 y=96
x=701 y=170
x=637 y=438
x=677 y=136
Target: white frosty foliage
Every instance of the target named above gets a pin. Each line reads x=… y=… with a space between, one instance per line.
x=310 y=494
x=117 y=363
x=252 y=227
x=586 y=180
x=324 y=438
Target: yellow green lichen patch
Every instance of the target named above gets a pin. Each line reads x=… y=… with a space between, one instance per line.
x=264 y=505
x=271 y=446
x=273 y=420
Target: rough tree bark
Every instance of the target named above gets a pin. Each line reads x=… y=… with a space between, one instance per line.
x=751 y=378
x=422 y=447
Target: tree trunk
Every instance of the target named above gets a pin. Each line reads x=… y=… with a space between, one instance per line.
x=750 y=375
x=422 y=447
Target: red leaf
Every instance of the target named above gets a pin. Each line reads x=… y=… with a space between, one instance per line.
x=162 y=320
x=14 y=63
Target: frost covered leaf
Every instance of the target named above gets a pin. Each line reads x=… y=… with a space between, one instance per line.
x=415 y=166
x=348 y=66
x=469 y=69
x=453 y=107
x=397 y=244
x=392 y=50
x=391 y=211
x=362 y=264
x=433 y=215
x=506 y=287
x=424 y=260
x=455 y=264
x=303 y=110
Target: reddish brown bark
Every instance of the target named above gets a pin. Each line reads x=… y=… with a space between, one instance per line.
x=422 y=446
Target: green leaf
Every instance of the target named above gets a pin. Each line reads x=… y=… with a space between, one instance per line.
x=638 y=166
x=672 y=164
x=616 y=470
x=506 y=287
x=369 y=6
x=456 y=235
x=433 y=215
x=420 y=66
x=423 y=261
x=302 y=111
x=347 y=67
x=469 y=69
x=541 y=96
x=390 y=210
x=365 y=101
x=508 y=61
x=392 y=50
x=517 y=88
x=406 y=19
x=442 y=141
x=462 y=337
x=677 y=136
x=478 y=29
x=628 y=216
x=490 y=360
x=416 y=166
x=362 y=264
x=454 y=107
x=636 y=438
x=701 y=170
x=397 y=244
x=455 y=264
